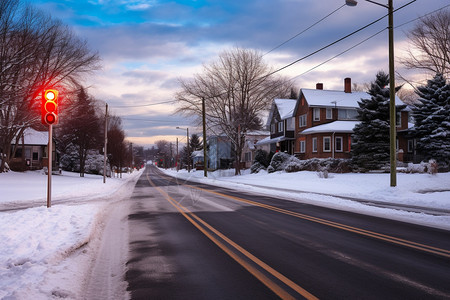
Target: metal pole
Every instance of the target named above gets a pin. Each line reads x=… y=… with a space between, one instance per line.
x=205 y=164
x=393 y=160
x=178 y=167
x=50 y=161
x=106 y=144
x=189 y=153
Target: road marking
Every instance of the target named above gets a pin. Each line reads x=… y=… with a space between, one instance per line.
x=279 y=291
x=364 y=232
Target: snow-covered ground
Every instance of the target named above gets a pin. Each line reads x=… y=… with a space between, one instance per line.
x=65 y=251
x=52 y=252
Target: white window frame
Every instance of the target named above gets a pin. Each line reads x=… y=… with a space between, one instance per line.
x=302 y=146
x=314 y=144
x=302 y=121
x=325 y=143
x=290 y=124
x=281 y=126
x=329 y=113
x=336 y=144
x=316 y=113
x=398 y=119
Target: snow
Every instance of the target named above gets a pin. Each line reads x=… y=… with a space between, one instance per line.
x=65 y=251
x=49 y=252
x=285 y=107
x=339 y=99
x=336 y=126
x=34 y=137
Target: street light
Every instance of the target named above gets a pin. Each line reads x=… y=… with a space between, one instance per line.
x=392 y=113
x=189 y=153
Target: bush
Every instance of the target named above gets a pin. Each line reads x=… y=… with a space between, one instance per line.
x=288 y=163
x=262 y=157
x=256 y=167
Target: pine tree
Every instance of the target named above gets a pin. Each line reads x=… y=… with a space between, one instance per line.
x=195 y=143
x=432 y=120
x=370 y=150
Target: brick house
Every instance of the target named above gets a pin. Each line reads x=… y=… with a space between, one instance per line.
x=324 y=122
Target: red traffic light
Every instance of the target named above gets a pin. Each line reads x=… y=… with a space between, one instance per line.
x=49 y=109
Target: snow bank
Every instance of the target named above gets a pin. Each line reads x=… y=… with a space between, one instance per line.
x=48 y=252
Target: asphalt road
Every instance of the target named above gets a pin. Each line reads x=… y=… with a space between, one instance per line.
x=193 y=241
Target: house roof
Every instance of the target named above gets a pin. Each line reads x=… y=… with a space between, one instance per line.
x=340 y=99
x=285 y=107
x=336 y=126
x=34 y=137
x=268 y=140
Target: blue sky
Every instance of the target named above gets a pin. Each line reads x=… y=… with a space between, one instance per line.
x=146 y=46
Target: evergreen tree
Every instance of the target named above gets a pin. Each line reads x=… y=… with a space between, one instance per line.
x=432 y=120
x=83 y=130
x=195 y=143
x=370 y=150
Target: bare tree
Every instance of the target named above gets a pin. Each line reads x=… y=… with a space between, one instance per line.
x=36 y=52
x=237 y=88
x=430 y=41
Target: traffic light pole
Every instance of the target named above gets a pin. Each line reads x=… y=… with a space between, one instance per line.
x=50 y=162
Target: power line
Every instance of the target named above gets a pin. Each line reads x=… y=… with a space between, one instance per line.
x=365 y=40
x=303 y=31
x=143 y=105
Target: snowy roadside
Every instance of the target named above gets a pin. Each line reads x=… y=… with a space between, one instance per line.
x=423 y=190
x=51 y=252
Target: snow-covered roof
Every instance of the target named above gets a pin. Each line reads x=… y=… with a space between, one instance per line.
x=268 y=140
x=342 y=99
x=258 y=133
x=34 y=137
x=198 y=153
x=336 y=126
x=285 y=107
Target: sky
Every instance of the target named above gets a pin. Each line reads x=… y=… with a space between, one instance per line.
x=147 y=46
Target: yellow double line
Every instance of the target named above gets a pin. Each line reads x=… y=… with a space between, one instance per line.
x=368 y=233
x=227 y=244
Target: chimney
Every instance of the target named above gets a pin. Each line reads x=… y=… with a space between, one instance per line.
x=348 y=85
x=319 y=86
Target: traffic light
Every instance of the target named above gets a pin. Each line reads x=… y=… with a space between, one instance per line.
x=49 y=109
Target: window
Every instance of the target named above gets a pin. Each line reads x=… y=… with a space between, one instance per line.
x=290 y=124
x=280 y=126
x=35 y=156
x=302 y=121
x=302 y=146
x=410 y=146
x=314 y=144
x=316 y=114
x=398 y=119
x=329 y=113
x=326 y=144
x=338 y=144
x=347 y=114
x=272 y=128
x=248 y=156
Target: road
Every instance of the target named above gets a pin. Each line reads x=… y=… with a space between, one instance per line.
x=193 y=241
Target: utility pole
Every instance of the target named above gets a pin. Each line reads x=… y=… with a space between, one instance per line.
x=106 y=143
x=178 y=167
x=205 y=161
x=189 y=153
